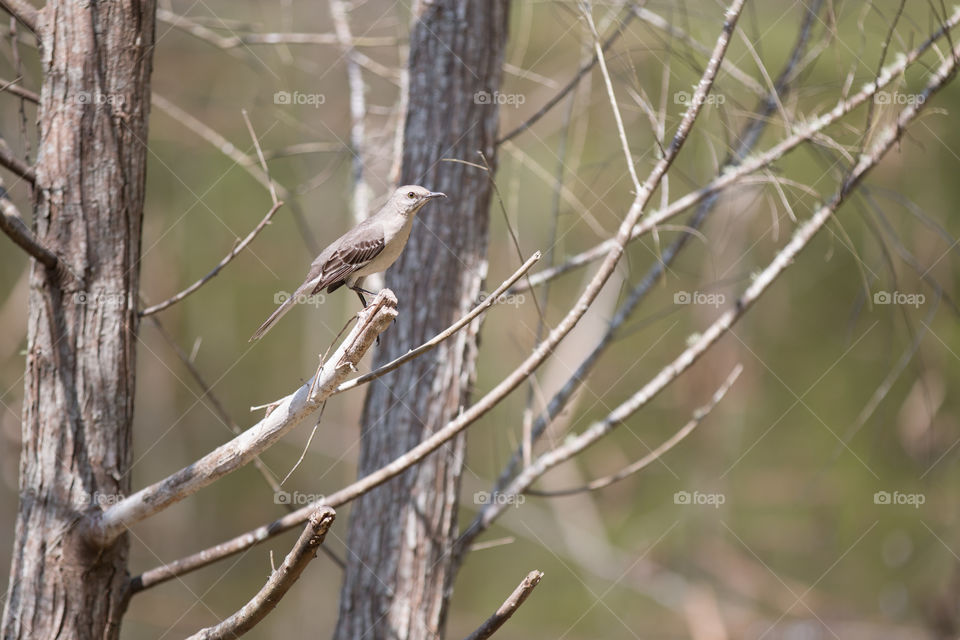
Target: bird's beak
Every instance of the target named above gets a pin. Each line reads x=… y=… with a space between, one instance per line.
x=435 y=194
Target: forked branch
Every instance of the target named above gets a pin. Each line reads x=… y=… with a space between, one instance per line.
x=105 y=526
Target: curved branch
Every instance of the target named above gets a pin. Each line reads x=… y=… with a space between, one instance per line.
x=279 y=582
x=516 y=377
x=104 y=527
x=508 y=608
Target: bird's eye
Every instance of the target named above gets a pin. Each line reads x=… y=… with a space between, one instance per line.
x=411 y=195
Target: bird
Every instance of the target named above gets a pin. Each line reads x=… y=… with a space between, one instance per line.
x=370 y=247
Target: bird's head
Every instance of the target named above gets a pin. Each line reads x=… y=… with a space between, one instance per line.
x=409 y=198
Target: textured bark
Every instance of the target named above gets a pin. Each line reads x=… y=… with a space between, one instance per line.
x=78 y=401
x=399 y=576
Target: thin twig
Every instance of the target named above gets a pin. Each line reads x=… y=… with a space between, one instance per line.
x=656 y=454
x=279 y=582
x=608 y=83
x=508 y=608
x=105 y=526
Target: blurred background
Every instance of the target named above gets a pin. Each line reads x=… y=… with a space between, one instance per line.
x=820 y=495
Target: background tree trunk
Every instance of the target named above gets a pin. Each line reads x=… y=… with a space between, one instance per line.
x=78 y=402
x=398 y=577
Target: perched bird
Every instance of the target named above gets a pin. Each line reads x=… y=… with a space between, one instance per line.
x=370 y=247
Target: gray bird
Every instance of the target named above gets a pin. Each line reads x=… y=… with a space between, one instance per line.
x=370 y=247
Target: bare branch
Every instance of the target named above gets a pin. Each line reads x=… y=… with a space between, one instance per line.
x=105 y=526
x=16 y=165
x=513 y=379
x=279 y=582
x=11 y=223
x=657 y=453
x=23 y=11
x=17 y=90
x=608 y=83
x=508 y=608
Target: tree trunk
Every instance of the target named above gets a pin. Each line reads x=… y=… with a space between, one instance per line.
x=399 y=577
x=81 y=336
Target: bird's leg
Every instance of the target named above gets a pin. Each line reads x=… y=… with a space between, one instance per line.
x=360 y=291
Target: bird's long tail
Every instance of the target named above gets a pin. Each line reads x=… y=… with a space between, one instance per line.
x=276 y=315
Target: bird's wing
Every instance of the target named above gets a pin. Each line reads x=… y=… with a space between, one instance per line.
x=351 y=252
